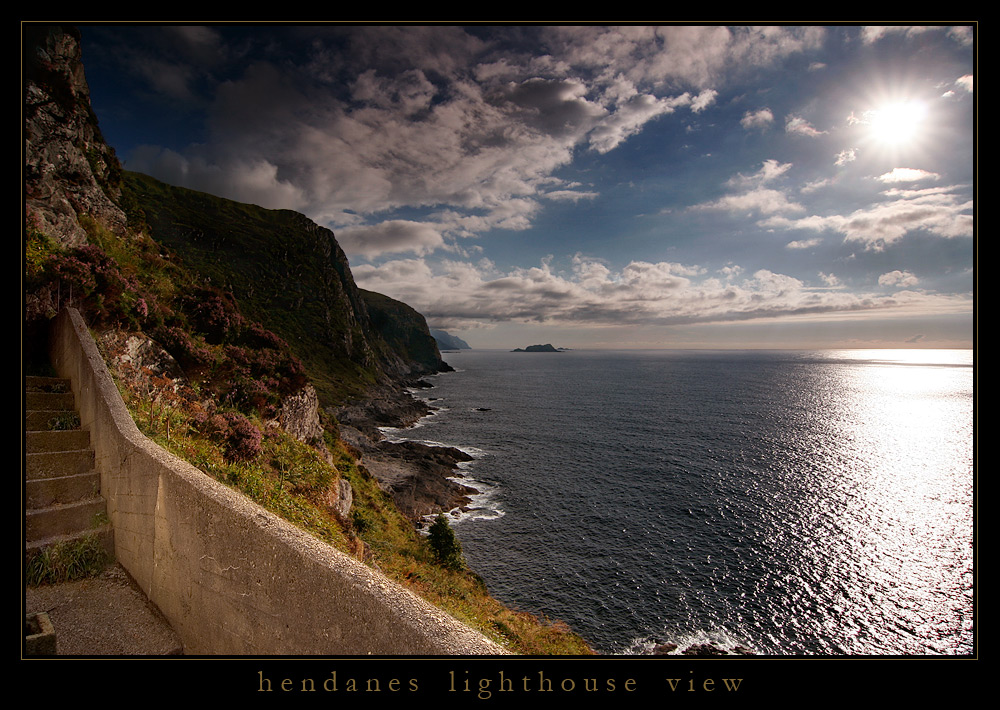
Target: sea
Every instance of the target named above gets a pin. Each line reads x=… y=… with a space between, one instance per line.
x=789 y=502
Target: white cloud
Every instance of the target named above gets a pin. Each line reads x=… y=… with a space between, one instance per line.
x=804 y=243
x=965 y=82
x=754 y=197
x=570 y=195
x=703 y=100
x=898 y=278
x=392 y=237
x=641 y=293
x=769 y=170
x=907 y=175
x=870 y=35
x=759 y=119
x=367 y=120
x=937 y=211
x=815 y=185
x=846 y=156
x=799 y=126
x=759 y=200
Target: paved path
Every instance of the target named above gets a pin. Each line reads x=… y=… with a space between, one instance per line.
x=104 y=616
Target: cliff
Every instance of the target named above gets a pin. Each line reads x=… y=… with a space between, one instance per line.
x=68 y=168
x=292 y=275
x=253 y=304
x=447 y=341
x=207 y=302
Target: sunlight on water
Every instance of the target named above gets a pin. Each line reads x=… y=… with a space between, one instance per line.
x=793 y=503
x=907 y=435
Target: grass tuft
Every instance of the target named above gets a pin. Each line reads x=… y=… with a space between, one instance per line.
x=67 y=561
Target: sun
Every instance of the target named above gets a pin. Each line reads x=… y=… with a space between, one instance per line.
x=896 y=124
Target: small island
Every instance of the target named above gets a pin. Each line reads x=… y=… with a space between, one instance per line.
x=547 y=348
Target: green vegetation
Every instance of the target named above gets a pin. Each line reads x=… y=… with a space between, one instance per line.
x=237 y=372
x=67 y=561
x=447 y=549
x=293 y=480
x=286 y=272
x=64 y=421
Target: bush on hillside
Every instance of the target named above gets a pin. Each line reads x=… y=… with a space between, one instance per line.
x=446 y=547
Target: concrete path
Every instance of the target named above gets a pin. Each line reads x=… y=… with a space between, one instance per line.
x=107 y=615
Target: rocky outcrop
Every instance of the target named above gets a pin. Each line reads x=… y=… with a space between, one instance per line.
x=137 y=360
x=68 y=168
x=300 y=415
x=419 y=477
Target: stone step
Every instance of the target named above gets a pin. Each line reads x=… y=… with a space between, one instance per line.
x=45 y=492
x=51 y=401
x=37 y=442
x=63 y=519
x=103 y=532
x=48 y=420
x=59 y=463
x=35 y=383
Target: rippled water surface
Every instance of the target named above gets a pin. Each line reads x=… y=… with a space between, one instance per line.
x=793 y=502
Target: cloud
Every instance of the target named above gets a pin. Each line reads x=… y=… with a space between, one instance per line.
x=938 y=211
x=961 y=34
x=769 y=170
x=846 y=156
x=815 y=185
x=907 y=175
x=754 y=197
x=641 y=293
x=759 y=200
x=799 y=126
x=703 y=100
x=760 y=119
x=570 y=195
x=363 y=121
x=391 y=237
x=898 y=278
x=804 y=243
x=965 y=82
x=870 y=35
x=255 y=182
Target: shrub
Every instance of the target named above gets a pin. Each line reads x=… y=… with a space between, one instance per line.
x=243 y=440
x=446 y=547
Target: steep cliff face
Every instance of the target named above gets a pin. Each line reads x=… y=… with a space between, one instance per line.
x=405 y=331
x=68 y=168
x=292 y=275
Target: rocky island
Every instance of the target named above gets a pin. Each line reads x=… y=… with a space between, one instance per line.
x=547 y=348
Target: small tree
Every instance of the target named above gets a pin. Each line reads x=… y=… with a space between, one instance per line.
x=446 y=547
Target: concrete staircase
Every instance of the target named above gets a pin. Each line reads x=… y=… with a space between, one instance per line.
x=62 y=489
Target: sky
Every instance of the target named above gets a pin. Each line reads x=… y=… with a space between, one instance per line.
x=589 y=186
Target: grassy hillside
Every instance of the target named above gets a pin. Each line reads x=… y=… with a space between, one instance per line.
x=284 y=270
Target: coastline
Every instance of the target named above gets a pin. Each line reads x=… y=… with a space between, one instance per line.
x=419 y=477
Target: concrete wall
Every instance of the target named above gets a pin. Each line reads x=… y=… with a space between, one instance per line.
x=231 y=577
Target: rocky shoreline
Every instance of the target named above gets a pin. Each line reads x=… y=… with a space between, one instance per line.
x=417 y=476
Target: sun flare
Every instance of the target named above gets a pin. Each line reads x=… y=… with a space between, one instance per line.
x=897 y=123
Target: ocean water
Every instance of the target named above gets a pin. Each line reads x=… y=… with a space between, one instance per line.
x=792 y=502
